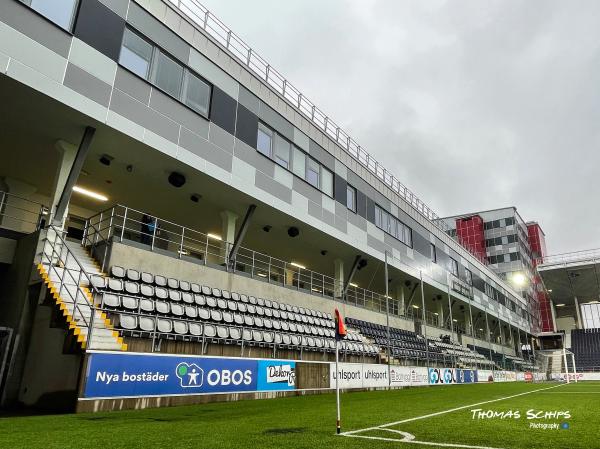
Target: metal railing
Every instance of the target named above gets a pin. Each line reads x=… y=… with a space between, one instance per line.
x=20 y=214
x=122 y=223
x=590 y=255
x=245 y=55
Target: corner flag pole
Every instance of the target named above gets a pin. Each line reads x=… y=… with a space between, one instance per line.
x=340 y=332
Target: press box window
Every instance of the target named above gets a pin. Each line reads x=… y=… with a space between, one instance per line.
x=61 y=12
x=167 y=74
x=136 y=54
x=312 y=173
x=351 y=198
x=326 y=181
x=196 y=94
x=453 y=267
x=282 y=151
x=432 y=253
x=264 y=141
x=299 y=163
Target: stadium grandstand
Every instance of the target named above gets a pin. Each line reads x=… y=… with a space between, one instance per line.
x=178 y=224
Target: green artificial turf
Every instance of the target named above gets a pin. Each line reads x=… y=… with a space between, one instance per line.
x=309 y=421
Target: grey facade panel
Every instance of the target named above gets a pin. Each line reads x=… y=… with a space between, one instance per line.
x=361 y=203
x=24 y=20
x=321 y=155
x=254 y=158
x=271 y=186
x=358 y=221
x=376 y=244
x=132 y=85
x=179 y=113
x=341 y=210
x=249 y=100
x=157 y=32
x=315 y=210
x=276 y=121
x=370 y=210
x=223 y=110
x=100 y=28
x=421 y=244
x=306 y=190
x=339 y=189
x=86 y=84
x=328 y=217
x=205 y=150
x=340 y=224
x=246 y=127
x=117 y=6
x=221 y=138
x=135 y=111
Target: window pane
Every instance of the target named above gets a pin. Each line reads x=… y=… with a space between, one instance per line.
x=299 y=163
x=351 y=198
x=282 y=151
x=312 y=174
x=168 y=75
x=263 y=141
x=377 y=216
x=58 y=11
x=326 y=181
x=197 y=94
x=136 y=54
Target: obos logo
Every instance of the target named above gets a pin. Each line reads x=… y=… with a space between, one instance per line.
x=448 y=376
x=434 y=376
x=191 y=376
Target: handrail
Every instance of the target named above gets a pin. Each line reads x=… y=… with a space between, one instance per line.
x=587 y=255
x=26 y=213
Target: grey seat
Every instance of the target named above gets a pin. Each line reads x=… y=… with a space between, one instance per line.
x=293 y=327
x=242 y=307
x=177 y=309
x=285 y=326
x=268 y=337
x=216 y=315
x=160 y=281
x=268 y=312
x=248 y=320
x=277 y=338
x=164 y=326
x=210 y=331
x=244 y=298
x=99 y=282
x=289 y=308
x=286 y=339
x=132 y=275
x=295 y=309
x=129 y=302
x=252 y=300
x=275 y=304
x=222 y=332
x=238 y=319
x=258 y=321
x=260 y=311
x=195 y=329
x=116 y=285
x=276 y=324
x=117 y=272
x=267 y=323
x=162 y=307
x=161 y=293
x=283 y=315
x=257 y=336
x=251 y=309
x=174 y=295
x=196 y=288
x=211 y=302
x=172 y=283
x=304 y=341
x=222 y=304
x=184 y=286
x=187 y=297
x=200 y=300
x=110 y=300
x=206 y=290
x=311 y=342
x=302 y=310
x=225 y=294
x=227 y=317
x=147 y=278
x=296 y=340
x=216 y=292
x=203 y=314
x=235 y=296
x=146 y=305
x=232 y=305
x=260 y=302
x=235 y=333
x=191 y=312
x=146 y=323
x=128 y=322
x=276 y=313
x=147 y=290
x=180 y=327
x=247 y=335
x=268 y=303
x=132 y=288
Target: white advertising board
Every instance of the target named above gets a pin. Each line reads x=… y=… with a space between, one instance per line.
x=359 y=375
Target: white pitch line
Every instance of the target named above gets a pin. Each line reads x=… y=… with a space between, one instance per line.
x=431 y=415
x=426 y=443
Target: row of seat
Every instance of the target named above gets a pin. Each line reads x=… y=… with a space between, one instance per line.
x=145 y=326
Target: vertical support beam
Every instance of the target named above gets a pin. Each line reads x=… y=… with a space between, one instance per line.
x=450 y=312
x=472 y=324
x=228 y=220
x=65 y=196
x=338 y=269
x=489 y=336
x=239 y=238
x=387 y=317
x=578 y=315
x=424 y=320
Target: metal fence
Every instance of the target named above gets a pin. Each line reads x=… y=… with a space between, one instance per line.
x=20 y=214
x=590 y=255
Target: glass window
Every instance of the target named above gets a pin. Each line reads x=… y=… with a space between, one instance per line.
x=264 y=140
x=469 y=277
x=432 y=253
x=453 y=267
x=326 y=181
x=282 y=151
x=351 y=198
x=407 y=236
x=312 y=173
x=61 y=12
x=167 y=75
x=197 y=94
x=378 y=217
x=136 y=54
x=299 y=163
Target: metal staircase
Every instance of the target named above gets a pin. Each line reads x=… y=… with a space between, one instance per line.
x=67 y=270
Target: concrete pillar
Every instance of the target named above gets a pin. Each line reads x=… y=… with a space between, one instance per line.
x=338 y=270
x=440 y=311
x=17 y=214
x=228 y=220
x=401 y=299
x=66 y=153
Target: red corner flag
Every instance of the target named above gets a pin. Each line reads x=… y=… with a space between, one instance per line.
x=340 y=329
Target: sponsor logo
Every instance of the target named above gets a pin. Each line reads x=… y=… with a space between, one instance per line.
x=281 y=374
x=190 y=375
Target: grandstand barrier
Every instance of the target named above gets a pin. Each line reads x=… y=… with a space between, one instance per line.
x=579 y=376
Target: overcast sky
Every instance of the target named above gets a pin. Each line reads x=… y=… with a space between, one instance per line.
x=473 y=105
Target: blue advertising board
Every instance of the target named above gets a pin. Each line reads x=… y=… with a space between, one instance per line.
x=446 y=376
x=466 y=376
x=111 y=375
x=276 y=375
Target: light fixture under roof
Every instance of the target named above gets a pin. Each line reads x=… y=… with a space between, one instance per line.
x=214 y=236
x=560 y=305
x=297 y=265
x=415 y=306
x=90 y=193
x=351 y=284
